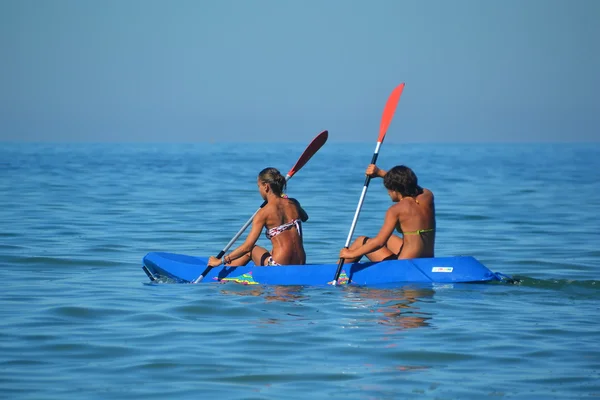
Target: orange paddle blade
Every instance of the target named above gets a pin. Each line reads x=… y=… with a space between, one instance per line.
x=388 y=111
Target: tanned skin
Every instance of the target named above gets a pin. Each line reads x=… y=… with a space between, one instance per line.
x=407 y=214
x=288 y=247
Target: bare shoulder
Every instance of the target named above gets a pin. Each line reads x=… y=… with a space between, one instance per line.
x=397 y=208
x=262 y=214
x=427 y=195
x=294 y=203
x=301 y=211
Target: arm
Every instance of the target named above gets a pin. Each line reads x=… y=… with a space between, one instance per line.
x=303 y=214
x=257 y=224
x=375 y=172
x=389 y=224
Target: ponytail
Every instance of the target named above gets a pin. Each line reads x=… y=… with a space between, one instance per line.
x=274 y=179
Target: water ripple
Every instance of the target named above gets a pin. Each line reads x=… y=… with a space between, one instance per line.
x=80 y=320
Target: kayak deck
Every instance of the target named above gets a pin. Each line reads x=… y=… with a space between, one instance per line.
x=183 y=268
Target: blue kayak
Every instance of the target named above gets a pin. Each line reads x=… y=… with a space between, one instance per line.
x=185 y=269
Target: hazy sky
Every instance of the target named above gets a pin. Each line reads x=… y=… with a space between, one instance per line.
x=283 y=70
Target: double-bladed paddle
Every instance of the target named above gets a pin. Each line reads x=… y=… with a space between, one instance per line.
x=310 y=151
x=386 y=119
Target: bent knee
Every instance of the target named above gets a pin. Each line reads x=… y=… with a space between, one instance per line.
x=361 y=240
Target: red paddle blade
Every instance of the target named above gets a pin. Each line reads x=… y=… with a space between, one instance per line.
x=310 y=151
x=388 y=111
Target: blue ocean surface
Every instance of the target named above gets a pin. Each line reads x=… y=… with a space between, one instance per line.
x=80 y=319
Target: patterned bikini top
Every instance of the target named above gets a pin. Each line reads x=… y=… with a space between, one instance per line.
x=270 y=233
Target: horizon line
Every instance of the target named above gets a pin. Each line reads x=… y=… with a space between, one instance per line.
x=213 y=142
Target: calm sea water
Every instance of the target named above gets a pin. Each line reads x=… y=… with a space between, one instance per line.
x=80 y=321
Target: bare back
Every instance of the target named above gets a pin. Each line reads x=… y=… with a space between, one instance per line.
x=288 y=247
x=416 y=221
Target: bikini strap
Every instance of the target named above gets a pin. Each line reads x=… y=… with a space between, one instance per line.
x=418 y=232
